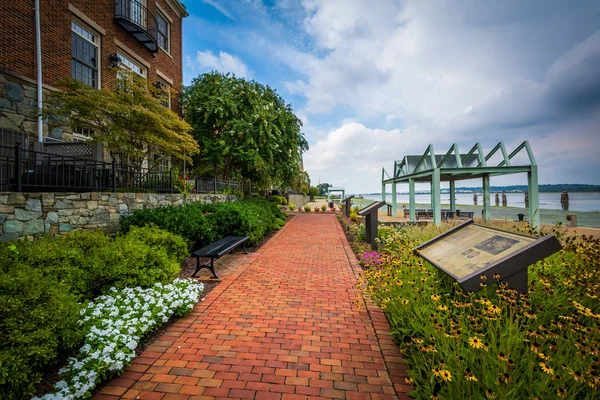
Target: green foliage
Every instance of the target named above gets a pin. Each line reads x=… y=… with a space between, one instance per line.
x=307 y=208
x=279 y=200
x=129 y=120
x=201 y=224
x=494 y=343
x=42 y=282
x=313 y=191
x=322 y=187
x=244 y=128
x=323 y=207
x=292 y=206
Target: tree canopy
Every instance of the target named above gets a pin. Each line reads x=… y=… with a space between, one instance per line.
x=323 y=188
x=244 y=130
x=129 y=121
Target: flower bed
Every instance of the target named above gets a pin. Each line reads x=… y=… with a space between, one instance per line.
x=44 y=282
x=113 y=325
x=494 y=343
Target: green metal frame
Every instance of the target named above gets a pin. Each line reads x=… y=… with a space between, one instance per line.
x=428 y=170
x=335 y=189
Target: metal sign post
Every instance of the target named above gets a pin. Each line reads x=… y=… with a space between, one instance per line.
x=473 y=254
x=370 y=214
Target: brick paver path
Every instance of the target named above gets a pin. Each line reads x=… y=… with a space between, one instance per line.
x=287 y=324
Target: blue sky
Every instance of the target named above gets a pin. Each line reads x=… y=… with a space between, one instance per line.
x=375 y=80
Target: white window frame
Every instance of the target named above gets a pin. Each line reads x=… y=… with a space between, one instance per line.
x=96 y=41
x=128 y=61
x=168 y=22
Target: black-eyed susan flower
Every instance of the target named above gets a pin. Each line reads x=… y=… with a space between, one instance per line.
x=546 y=369
x=445 y=375
x=408 y=380
x=490 y=394
x=562 y=393
x=577 y=376
x=505 y=378
x=476 y=343
x=435 y=297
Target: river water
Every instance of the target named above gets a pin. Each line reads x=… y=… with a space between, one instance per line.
x=551 y=201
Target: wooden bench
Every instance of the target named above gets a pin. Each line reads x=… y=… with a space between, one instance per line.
x=216 y=250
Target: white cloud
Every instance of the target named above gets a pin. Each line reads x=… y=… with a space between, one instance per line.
x=224 y=62
x=222 y=9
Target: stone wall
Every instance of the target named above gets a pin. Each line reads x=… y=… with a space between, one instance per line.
x=299 y=200
x=30 y=214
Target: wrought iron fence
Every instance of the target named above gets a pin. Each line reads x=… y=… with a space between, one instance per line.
x=24 y=170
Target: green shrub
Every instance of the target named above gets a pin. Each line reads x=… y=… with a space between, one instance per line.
x=279 y=200
x=201 y=224
x=42 y=283
x=323 y=208
x=291 y=206
x=307 y=208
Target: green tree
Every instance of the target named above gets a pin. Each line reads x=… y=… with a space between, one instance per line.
x=323 y=188
x=244 y=129
x=313 y=191
x=129 y=120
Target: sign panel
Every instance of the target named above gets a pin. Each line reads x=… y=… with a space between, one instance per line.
x=468 y=250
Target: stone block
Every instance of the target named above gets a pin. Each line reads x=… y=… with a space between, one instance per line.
x=3 y=199
x=5 y=104
x=17 y=199
x=33 y=205
x=52 y=217
x=6 y=209
x=30 y=126
x=65 y=212
x=3 y=218
x=8 y=237
x=122 y=208
x=95 y=196
x=24 y=215
x=63 y=204
x=16 y=119
x=65 y=228
x=84 y=212
x=54 y=229
x=92 y=204
x=47 y=199
x=113 y=202
x=56 y=133
x=12 y=226
x=85 y=196
x=14 y=91
x=34 y=227
x=120 y=195
x=129 y=195
x=74 y=197
x=79 y=204
x=101 y=217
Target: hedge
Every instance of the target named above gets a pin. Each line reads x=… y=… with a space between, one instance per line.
x=202 y=224
x=44 y=283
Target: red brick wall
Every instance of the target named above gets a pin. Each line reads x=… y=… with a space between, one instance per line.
x=17 y=39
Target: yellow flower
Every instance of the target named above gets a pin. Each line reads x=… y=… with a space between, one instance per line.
x=578 y=376
x=408 y=380
x=489 y=394
x=435 y=297
x=405 y=302
x=476 y=343
x=546 y=369
x=495 y=309
x=445 y=375
x=502 y=357
x=443 y=308
x=562 y=393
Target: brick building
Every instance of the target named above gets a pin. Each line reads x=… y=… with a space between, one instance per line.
x=83 y=39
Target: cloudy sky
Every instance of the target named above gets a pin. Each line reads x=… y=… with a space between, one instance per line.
x=375 y=80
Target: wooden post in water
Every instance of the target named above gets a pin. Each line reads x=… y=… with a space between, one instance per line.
x=564 y=200
x=497 y=199
x=504 y=202
x=526 y=199
x=475 y=198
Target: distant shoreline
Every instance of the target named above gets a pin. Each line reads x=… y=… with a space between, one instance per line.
x=468 y=191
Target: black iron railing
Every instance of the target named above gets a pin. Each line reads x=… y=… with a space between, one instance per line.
x=135 y=18
x=24 y=170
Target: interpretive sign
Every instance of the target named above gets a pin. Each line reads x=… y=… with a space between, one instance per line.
x=370 y=214
x=470 y=252
x=347 y=204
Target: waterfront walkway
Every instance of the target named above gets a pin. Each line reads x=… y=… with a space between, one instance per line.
x=286 y=323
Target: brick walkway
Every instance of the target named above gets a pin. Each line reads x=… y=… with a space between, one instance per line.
x=283 y=325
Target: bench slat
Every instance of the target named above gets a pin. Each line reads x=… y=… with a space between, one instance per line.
x=220 y=247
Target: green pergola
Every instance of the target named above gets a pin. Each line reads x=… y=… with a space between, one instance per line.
x=335 y=189
x=454 y=166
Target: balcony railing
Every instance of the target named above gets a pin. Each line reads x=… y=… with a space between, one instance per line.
x=135 y=18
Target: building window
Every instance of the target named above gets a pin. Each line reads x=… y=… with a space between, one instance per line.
x=163 y=29
x=161 y=163
x=164 y=91
x=128 y=62
x=81 y=134
x=84 y=55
